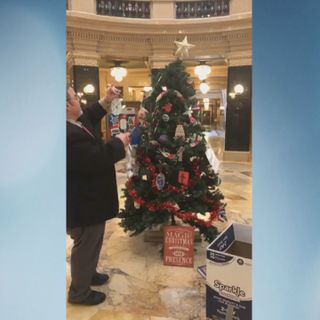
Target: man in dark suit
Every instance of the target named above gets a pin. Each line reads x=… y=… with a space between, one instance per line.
x=91 y=192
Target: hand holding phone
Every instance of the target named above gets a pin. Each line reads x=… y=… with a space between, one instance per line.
x=112 y=93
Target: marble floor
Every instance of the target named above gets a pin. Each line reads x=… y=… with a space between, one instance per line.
x=140 y=287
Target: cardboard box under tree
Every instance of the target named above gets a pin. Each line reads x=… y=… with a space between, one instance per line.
x=228 y=269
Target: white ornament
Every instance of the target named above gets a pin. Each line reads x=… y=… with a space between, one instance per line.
x=136 y=205
x=205 y=217
x=188 y=112
x=116 y=106
x=160 y=181
x=183 y=47
x=179 y=132
x=165 y=117
x=180 y=154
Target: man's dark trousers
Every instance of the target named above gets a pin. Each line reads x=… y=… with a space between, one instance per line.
x=84 y=259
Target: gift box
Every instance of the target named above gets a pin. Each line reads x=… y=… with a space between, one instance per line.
x=228 y=275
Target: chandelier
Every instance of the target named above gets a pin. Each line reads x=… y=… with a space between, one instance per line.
x=204 y=87
x=118 y=72
x=202 y=70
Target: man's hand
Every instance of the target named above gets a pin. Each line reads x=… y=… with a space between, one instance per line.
x=124 y=137
x=111 y=93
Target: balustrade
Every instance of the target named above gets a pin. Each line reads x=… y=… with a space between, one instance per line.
x=122 y=8
x=202 y=9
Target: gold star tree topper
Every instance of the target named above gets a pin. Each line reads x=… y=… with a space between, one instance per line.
x=183 y=47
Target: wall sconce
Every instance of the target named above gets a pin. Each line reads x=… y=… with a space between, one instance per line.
x=204 y=87
x=118 y=72
x=202 y=71
x=232 y=95
x=89 y=89
x=238 y=89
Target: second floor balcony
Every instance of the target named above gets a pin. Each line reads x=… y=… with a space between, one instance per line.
x=182 y=9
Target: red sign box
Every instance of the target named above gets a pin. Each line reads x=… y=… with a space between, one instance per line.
x=178 y=246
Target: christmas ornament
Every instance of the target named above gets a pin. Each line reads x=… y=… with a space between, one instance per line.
x=180 y=154
x=179 y=132
x=167 y=107
x=188 y=112
x=154 y=143
x=192 y=120
x=167 y=155
x=204 y=217
x=193 y=144
x=136 y=205
x=183 y=177
x=183 y=47
x=159 y=97
x=165 y=118
x=144 y=177
x=163 y=139
x=116 y=106
x=195 y=107
x=160 y=181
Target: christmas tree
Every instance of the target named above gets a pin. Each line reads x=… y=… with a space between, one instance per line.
x=172 y=179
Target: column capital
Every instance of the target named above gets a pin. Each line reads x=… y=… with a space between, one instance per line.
x=82 y=59
x=239 y=59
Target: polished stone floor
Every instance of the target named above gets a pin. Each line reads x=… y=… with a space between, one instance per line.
x=140 y=287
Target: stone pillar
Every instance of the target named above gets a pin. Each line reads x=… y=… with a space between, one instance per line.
x=163 y=9
x=88 y=6
x=240 y=6
x=238 y=119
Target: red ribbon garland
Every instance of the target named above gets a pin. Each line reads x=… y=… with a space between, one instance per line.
x=185 y=216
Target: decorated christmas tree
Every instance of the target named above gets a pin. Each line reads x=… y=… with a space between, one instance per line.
x=171 y=179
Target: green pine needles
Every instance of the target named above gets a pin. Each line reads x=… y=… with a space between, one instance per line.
x=171 y=180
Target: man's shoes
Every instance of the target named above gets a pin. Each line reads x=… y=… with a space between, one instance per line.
x=95 y=297
x=99 y=279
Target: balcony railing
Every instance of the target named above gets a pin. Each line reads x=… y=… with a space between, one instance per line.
x=123 y=8
x=202 y=9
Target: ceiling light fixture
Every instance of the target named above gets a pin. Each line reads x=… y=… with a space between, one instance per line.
x=118 y=72
x=202 y=70
x=204 y=87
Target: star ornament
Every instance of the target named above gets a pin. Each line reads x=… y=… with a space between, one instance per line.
x=183 y=47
